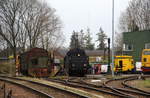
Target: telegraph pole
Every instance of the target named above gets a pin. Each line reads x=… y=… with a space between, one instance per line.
x=112 y=38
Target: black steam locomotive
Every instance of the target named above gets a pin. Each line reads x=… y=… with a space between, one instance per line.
x=76 y=62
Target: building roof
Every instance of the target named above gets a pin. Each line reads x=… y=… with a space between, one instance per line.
x=63 y=52
x=95 y=52
x=60 y=52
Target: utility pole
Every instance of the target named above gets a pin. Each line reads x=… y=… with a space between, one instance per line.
x=109 y=69
x=112 y=38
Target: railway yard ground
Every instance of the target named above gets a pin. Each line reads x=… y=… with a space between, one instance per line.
x=18 y=92
x=142 y=84
x=91 y=86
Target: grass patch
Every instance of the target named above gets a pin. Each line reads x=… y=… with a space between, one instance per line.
x=7 y=67
x=142 y=84
x=115 y=76
x=59 y=77
x=146 y=83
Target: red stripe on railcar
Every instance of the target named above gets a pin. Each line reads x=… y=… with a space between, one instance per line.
x=145 y=69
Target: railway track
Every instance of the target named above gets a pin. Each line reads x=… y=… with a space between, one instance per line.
x=125 y=83
x=44 y=89
x=101 y=90
x=115 y=87
x=122 y=86
x=111 y=89
x=40 y=93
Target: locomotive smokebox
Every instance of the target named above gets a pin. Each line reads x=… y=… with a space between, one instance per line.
x=76 y=62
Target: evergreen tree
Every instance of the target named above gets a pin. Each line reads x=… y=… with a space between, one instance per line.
x=74 y=40
x=101 y=39
x=81 y=39
x=88 y=44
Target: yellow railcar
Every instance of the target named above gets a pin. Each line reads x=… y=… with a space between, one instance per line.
x=146 y=60
x=123 y=63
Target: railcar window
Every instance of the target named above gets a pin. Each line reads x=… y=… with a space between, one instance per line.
x=43 y=61
x=34 y=61
x=146 y=53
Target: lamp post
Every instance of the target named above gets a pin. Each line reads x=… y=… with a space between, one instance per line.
x=112 y=38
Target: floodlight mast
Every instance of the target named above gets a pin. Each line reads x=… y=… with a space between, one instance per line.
x=112 y=67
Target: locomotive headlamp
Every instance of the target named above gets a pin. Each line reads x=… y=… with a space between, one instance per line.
x=78 y=54
x=73 y=65
x=84 y=65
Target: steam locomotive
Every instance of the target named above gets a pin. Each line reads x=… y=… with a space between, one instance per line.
x=76 y=62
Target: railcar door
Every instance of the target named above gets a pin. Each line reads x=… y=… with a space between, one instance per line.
x=120 y=64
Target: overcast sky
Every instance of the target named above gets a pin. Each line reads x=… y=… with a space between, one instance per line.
x=80 y=14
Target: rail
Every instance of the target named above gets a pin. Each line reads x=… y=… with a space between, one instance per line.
x=46 y=85
x=99 y=89
x=124 y=89
x=9 y=93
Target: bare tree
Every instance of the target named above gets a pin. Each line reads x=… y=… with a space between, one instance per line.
x=136 y=17
x=10 y=16
x=28 y=23
x=118 y=43
x=3 y=44
x=41 y=25
x=53 y=36
x=123 y=23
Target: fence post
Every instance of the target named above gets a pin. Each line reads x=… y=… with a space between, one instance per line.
x=4 y=90
x=9 y=94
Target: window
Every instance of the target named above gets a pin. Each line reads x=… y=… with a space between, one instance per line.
x=128 y=47
x=34 y=61
x=38 y=62
x=147 y=46
x=146 y=52
x=43 y=61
